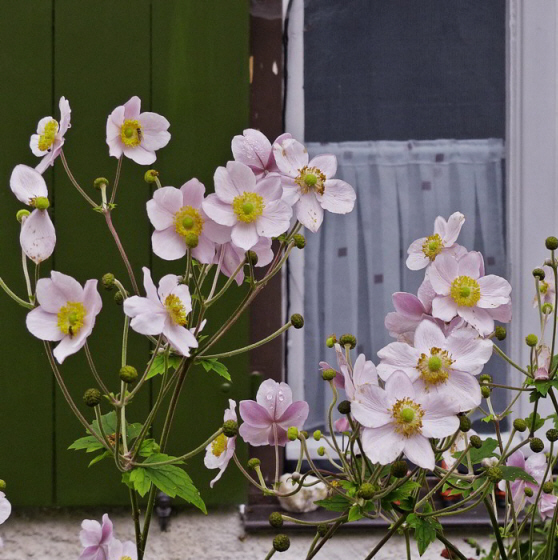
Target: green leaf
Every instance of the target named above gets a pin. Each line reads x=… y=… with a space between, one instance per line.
x=214 y=364
x=336 y=502
x=401 y=494
x=515 y=473
x=89 y=443
x=354 y=513
x=100 y=458
x=534 y=422
x=148 y=447
x=158 y=365
x=477 y=455
x=425 y=529
x=140 y=481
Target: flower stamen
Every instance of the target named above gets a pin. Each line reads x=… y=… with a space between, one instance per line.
x=311 y=178
x=130 y=133
x=176 y=309
x=408 y=416
x=435 y=367
x=219 y=445
x=465 y=291
x=188 y=220
x=433 y=246
x=46 y=139
x=71 y=317
x=248 y=206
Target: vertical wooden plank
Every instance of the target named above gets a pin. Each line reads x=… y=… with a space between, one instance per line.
x=102 y=58
x=200 y=83
x=26 y=386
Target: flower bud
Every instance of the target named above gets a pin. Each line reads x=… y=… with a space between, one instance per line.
x=92 y=397
x=547 y=308
x=552 y=435
x=108 y=281
x=23 y=213
x=485 y=378
x=539 y=273
x=252 y=257
x=299 y=241
x=276 y=520
x=485 y=391
x=536 y=444
x=322 y=529
x=531 y=340
x=118 y=298
x=366 y=491
x=150 y=176
x=551 y=243
x=464 y=423
x=494 y=474
x=297 y=320
x=2 y=485
x=399 y=469
x=128 y=374
x=548 y=487
x=520 y=425
x=100 y=182
x=528 y=491
x=226 y=387
x=281 y=543
x=488 y=462
x=296 y=476
x=475 y=442
x=500 y=332
x=317 y=435
x=344 y=407
x=191 y=240
x=40 y=203
x=348 y=340
x=292 y=433
x=321 y=451
x=328 y=374
x=253 y=463
x=331 y=340
x=230 y=428
x=303 y=433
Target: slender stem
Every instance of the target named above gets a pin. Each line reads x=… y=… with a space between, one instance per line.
x=74 y=182
x=226 y=286
x=275 y=439
x=327 y=536
x=94 y=371
x=449 y=545
x=17 y=299
x=136 y=518
x=269 y=554
x=146 y=372
x=555 y=309
x=407 y=544
x=30 y=296
x=509 y=360
x=116 y=180
x=496 y=528
x=387 y=536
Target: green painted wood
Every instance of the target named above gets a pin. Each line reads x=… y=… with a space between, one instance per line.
x=201 y=84
x=26 y=386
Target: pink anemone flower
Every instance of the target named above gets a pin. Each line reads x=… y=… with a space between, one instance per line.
x=96 y=538
x=543 y=363
x=230 y=256
x=267 y=419
x=440 y=364
x=410 y=311
x=401 y=420
x=220 y=451
x=309 y=186
x=547 y=505
x=122 y=550
x=47 y=143
x=342 y=425
x=136 y=135
x=252 y=148
x=66 y=313
x=361 y=377
x=462 y=289
x=176 y=214
x=37 y=236
x=424 y=251
x=164 y=311
x=253 y=209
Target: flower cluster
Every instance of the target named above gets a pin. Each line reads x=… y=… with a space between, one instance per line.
x=99 y=542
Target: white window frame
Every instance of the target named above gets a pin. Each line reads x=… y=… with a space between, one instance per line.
x=531 y=167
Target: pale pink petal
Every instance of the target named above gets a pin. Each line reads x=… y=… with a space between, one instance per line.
x=291 y=191
x=426 y=294
x=478 y=318
x=92 y=301
x=167 y=285
x=244 y=235
x=463 y=388
x=516 y=459
x=372 y=410
x=215 y=232
x=444 y=308
x=295 y=415
x=154 y=131
x=270 y=188
x=417 y=260
x=132 y=108
x=275 y=219
x=339 y=197
x=495 y=291
x=419 y=451
x=192 y=193
x=43 y=325
x=68 y=286
x=309 y=212
x=65 y=115
x=241 y=176
x=429 y=335
x=399 y=386
x=382 y=445
x=263 y=249
x=27 y=183
x=205 y=251
x=253 y=149
x=168 y=245
x=255 y=436
x=452 y=228
x=219 y=211
x=274 y=397
x=442 y=273
x=502 y=313
x=407 y=304
x=91 y=533
x=107 y=529
x=342 y=425
x=398 y=324
x=468 y=354
x=182 y=292
x=398 y=356
x=180 y=338
x=470 y=265
x=49 y=296
x=326 y=163
x=149 y=286
x=166 y=202
x=290 y=157
x=139 y=154
x=69 y=346
x=255 y=414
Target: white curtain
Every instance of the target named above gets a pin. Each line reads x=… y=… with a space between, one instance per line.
x=355 y=262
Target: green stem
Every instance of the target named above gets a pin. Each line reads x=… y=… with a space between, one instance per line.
x=17 y=299
x=94 y=371
x=449 y=545
x=496 y=528
x=136 y=518
x=509 y=360
x=116 y=180
x=74 y=182
x=387 y=536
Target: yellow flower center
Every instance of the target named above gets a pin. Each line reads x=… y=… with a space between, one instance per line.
x=71 y=317
x=543 y=287
x=219 y=445
x=435 y=368
x=248 y=207
x=176 y=310
x=311 y=178
x=188 y=220
x=433 y=246
x=465 y=291
x=46 y=139
x=408 y=417
x=130 y=133
x=125 y=558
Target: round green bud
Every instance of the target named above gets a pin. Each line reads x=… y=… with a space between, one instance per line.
x=464 y=423
x=150 y=176
x=128 y=374
x=226 y=387
x=281 y=543
x=520 y=425
x=331 y=340
x=253 y=463
x=41 y=203
x=100 y=182
x=321 y=451
x=276 y=520
x=299 y=241
x=475 y=442
x=348 y=340
x=547 y=308
x=303 y=433
x=108 y=281
x=552 y=435
x=536 y=444
x=551 y=243
x=191 y=240
x=328 y=374
x=528 y=491
x=23 y=213
x=485 y=391
x=297 y=320
x=399 y=469
x=322 y=529
x=539 y=273
x=292 y=433
x=296 y=476
x=344 y=407
x=230 y=428
x=317 y=435
x=500 y=332
x=494 y=474
x=92 y=397
x=2 y=484
x=366 y=491
x=485 y=378
x=118 y=298
x=531 y=340
x=548 y=487
x=252 y=257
